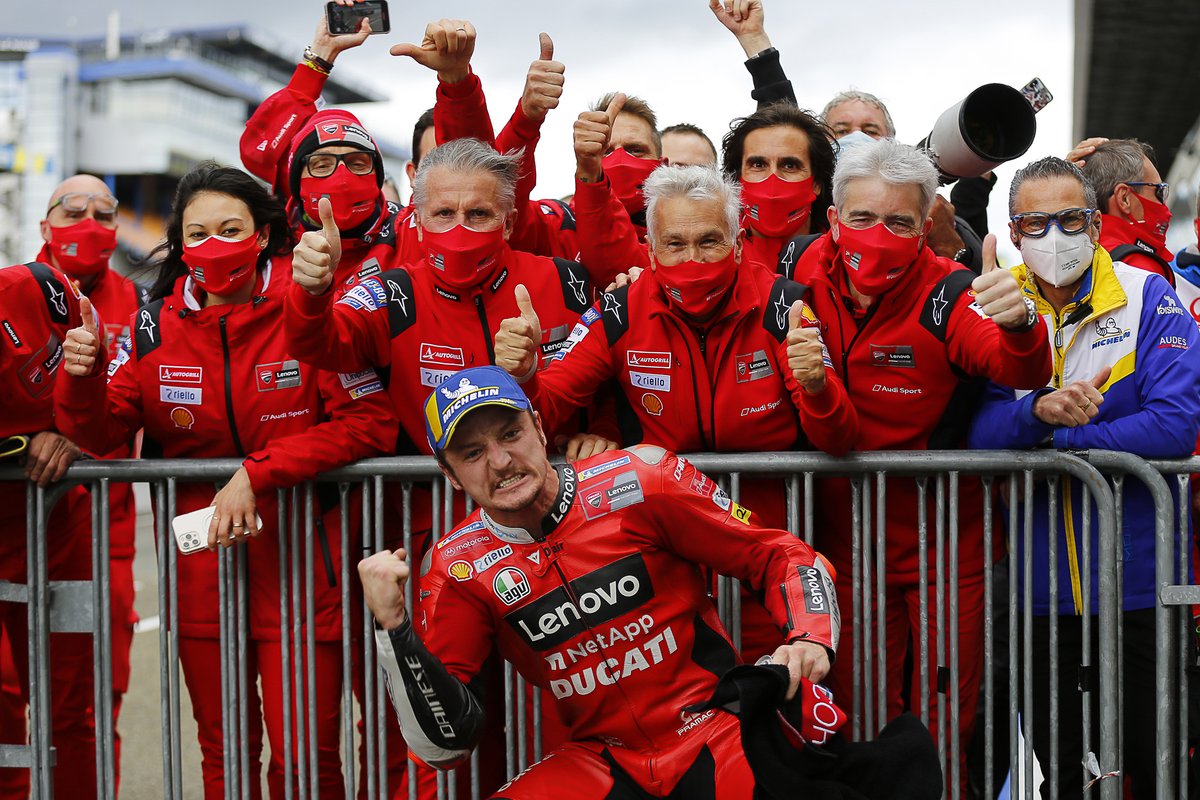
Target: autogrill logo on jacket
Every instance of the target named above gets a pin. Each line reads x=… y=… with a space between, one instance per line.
x=599 y=596
x=167 y=374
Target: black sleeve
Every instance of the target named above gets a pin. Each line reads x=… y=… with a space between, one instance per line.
x=972 y=243
x=441 y=717
x=970 y=198
x=771 y=85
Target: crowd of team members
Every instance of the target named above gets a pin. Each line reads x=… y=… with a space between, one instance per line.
x=811 y=292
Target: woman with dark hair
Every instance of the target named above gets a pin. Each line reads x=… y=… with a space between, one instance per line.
x=783 y=159
x=207 y=374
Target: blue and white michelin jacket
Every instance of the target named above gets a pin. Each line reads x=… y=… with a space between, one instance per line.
x=1130 y=320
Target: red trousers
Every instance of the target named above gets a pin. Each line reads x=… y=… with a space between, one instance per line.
x=903 y=609
x=591 y=771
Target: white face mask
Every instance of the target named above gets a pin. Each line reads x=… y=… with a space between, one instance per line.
x=1058 y=258
x=850 y=141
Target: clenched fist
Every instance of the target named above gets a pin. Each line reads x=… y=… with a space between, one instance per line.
x=318 y=253
x=383 y=576
x=519 y=338
x=805 y=351
x=997 y=292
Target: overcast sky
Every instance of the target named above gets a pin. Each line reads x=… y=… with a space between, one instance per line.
x=920 y=58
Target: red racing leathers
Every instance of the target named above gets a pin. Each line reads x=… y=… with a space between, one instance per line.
x=218 y=382
x=725 y=388
x=907 y=364
x=605 y=609
x=38 y=305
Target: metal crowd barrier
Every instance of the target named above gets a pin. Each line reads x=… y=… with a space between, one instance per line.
x=942 y=474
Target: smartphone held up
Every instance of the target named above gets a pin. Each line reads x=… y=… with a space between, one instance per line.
x=347 y=19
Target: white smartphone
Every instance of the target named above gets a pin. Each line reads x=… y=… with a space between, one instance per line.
x=191 y=529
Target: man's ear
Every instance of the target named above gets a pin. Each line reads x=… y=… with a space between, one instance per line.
x=739 y=242
x=449 y=473
x=410 y=171
x=509 y=223
x=832 y=215
x=537 y=423
x=44 y=227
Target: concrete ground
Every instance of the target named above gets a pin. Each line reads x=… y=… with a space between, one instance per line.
x=140 y=723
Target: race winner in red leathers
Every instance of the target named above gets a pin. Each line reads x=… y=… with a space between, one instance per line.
x=587 y=579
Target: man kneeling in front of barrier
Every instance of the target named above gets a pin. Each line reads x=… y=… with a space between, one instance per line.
x=587 y=578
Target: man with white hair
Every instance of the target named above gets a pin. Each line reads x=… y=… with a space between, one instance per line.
x=908 y=330
x=710 y=353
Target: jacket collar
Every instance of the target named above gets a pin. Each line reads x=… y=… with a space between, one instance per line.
x=1099 y=288
x=187 y=293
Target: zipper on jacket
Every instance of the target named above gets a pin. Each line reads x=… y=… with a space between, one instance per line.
x=487 y=332
x=237 y=439
x=859 y=327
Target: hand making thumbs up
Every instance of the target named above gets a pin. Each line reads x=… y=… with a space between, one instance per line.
x=519 y=338
x=997 y=292
x=543 y=82
x=593 y=131
x=805 y=350
x=316 y=256
x=83 y=343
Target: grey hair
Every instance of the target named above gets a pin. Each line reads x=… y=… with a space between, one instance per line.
x=1045 y=169
x=862 y=97
x=895 y=162
x=1115 y=162
x=694 y=183
x=471 y=155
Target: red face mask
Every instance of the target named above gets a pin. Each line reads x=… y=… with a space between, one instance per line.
x=222 y=266
x=460 y=255
x=83 y=249
x=1155 y=219
x=353 y=197
x=697 y=288
x=775 y=207
x=875 y=258
x=627 y=173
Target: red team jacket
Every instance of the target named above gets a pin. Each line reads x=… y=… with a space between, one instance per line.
x=907 y=365
x=115 y=299
x=604 y=608
x=221 y=382
x=38 y=305
x=724 y=389
x=407 y=324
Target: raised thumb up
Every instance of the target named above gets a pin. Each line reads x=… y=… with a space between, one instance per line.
x=519 y=338
x=316 y=256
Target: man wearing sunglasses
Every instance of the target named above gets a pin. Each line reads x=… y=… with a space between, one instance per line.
x=80 y=231
x=1125 y=378
x=1133 y=200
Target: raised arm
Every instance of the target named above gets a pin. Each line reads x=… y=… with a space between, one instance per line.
x=745 y=20
x=267 y=139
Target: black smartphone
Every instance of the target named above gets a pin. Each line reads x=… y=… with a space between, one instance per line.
x=346 y=19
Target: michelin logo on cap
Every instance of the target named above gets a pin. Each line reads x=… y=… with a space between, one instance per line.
x=464 y=391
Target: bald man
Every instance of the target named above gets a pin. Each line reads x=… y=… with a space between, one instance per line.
x=80 y=234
